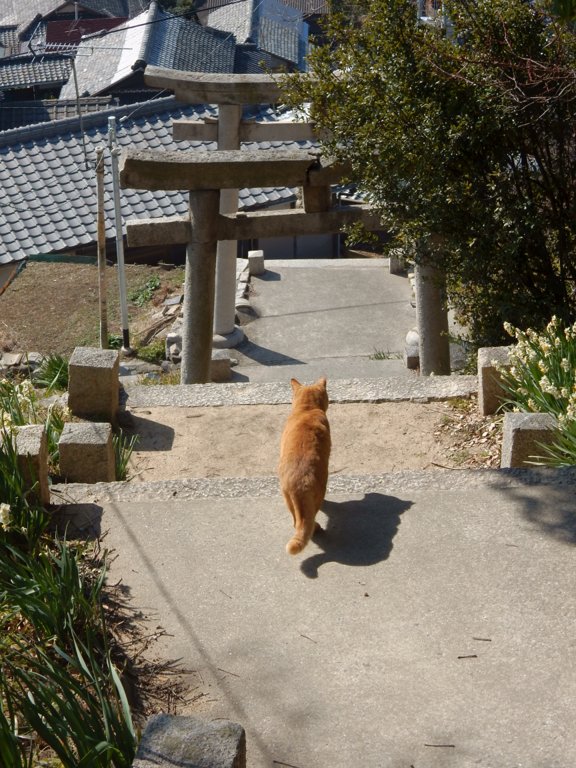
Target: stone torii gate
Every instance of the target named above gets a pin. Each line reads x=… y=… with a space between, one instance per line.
x=210 y=284
x=205 y=175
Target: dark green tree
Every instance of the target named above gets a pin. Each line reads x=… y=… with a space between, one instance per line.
x=185 y=7
x=463 y=133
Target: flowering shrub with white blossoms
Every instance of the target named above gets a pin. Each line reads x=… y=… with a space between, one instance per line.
x=542 y=379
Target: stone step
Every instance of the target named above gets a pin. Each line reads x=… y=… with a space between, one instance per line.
x=332 y=368
x=260 y=487
x=360 y=390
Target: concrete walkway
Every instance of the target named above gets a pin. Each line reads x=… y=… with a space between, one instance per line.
x=327 y=316
x=432 y=624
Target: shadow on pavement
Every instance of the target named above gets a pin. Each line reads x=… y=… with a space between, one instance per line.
x=549 y=505
x=358 y=532
x=266 y=356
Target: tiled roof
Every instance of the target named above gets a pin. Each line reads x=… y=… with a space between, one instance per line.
x=21 y=13
x=156 y=38
x=48 y=181
x=201 y=50
x=269 y=24
x=251 y=61
x=14 y=114
x=25 y=71
x=9 y=39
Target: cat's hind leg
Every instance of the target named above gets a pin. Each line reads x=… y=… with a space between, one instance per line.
x=290 y=505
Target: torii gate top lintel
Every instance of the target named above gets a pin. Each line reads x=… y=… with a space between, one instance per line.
x=214 y=88
x=227 y=169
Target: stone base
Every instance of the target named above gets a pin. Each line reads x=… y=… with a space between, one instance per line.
x=93 y=386
x=221 y=366
x=228 y=340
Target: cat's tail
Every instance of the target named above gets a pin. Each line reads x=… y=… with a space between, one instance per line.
x=301 y=537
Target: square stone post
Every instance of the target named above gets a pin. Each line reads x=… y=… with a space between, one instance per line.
x=226 y=333
x=523 y=436
x=93 y=384
x=32 y=449
x=490 y=390
x=87 y=453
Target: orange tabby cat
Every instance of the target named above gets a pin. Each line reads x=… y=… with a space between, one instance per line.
x=304 y=454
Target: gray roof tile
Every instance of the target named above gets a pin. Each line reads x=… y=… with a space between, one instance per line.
x=25 y=71
x=49 y=187
x=270 y=25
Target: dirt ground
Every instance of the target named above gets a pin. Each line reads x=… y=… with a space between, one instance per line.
x=54 y=307
x=367 y=438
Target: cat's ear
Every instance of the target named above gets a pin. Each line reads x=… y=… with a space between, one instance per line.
x=295 y=384
x=322 y=382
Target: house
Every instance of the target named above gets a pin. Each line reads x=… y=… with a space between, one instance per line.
x=38 y=39
x=33 y=77
x=115 y=63
x=23 y=21
x=47 y=174
x=311 y=11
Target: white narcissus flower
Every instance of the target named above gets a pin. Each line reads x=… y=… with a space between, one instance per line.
x=5 y=516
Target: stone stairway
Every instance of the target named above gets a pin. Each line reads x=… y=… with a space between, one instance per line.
x=429 y=626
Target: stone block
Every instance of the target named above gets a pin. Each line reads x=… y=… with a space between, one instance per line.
x=87 y=453
x=256 y=262
x=412 y=356
x=523 y=437
x=93 y=384
x=490 y=390
x=397 y=264
x=220 y=366
x=32 y=450
x=190 y=742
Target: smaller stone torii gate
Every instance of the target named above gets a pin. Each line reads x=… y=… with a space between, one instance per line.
x=205 y=174
x=230 y=93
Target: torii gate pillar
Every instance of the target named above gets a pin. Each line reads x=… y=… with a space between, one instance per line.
x=199 y=282
x=226 y=333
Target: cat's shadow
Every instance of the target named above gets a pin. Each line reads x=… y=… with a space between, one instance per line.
x=356 y=533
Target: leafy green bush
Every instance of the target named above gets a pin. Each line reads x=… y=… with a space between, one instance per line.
x=123 y=447
x=20 y=405
x=58 y=685
x=464 y=139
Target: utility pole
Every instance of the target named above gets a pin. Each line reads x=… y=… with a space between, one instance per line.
x=101 y=227
x=114 y=152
